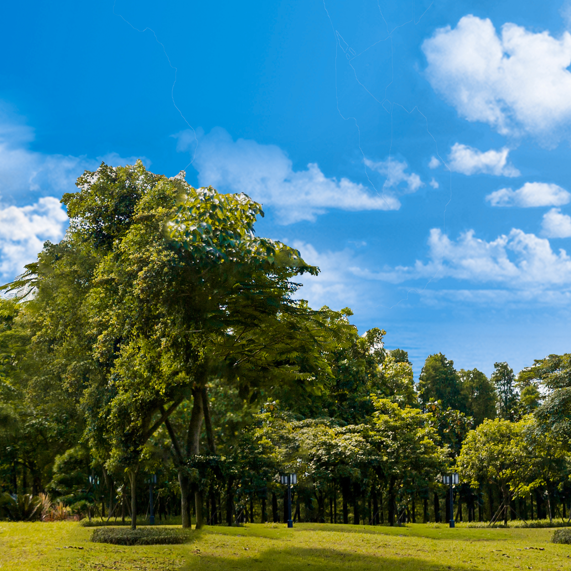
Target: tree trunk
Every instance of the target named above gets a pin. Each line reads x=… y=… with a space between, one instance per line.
x=345 y=508
x=208 y=422
x=549 y=510
x=133 y=482
x=375 y=510
x=356 y=510
x=335 y=505
x=123 y=504
x=229 y=502
x=193 y=446
x=392 y=501
x=413 y=508
x=425 y=509
x=275 y=515
x=184 y=483
x=264 y=514
x=436 y=508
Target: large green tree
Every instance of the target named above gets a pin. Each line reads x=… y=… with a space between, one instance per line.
x=480 y=395
x=439 y=381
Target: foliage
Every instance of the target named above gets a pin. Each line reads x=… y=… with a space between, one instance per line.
x=23 y=507
x=562 y=536
x=439 y=381
x=479 y=395
x=504 y=379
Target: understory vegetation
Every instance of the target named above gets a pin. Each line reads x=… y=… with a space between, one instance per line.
x=163 y=346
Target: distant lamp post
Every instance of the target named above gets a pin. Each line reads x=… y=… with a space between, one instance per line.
x=451 y=480
x=288 y=480
x=151 y=480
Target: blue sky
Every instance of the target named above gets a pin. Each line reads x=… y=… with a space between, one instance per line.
x=417 y=152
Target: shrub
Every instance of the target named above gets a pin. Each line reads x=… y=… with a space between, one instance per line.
x=141 y=536
x=562 y=536
x=23 y=507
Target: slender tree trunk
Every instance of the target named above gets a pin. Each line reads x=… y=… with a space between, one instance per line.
x=425 y=509
x=392 y=501
x=335 y=505
x=264 y=514
x=184 y=483
x=549 y=510
x=193 y=446
x=356 y=509
x=436 y=508
x=375 y=510
x=133 y=482
x=344 y=492
x=123 y=504
x=208 y=422
x=413 y=508
x=330 y=509
x=229 y=501
x=275 y=515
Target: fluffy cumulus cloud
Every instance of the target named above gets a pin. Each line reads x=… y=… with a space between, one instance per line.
x=23 y=230
x=265 y=173
x=30 y=213
x=556 y=225
x=517 y=81
x=467 y=160
x=529 y=195
x=516 y=261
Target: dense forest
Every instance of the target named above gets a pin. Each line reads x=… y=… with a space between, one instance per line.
x=163 y=337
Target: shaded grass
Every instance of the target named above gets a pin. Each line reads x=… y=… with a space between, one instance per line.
x=269 y=547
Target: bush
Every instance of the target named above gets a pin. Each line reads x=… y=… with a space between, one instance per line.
x=562 y=536
x=23 y=507
x=141 y=536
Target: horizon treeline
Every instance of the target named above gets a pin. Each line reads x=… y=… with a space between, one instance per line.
x=163 y=337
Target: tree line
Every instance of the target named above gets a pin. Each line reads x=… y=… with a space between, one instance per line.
x=163 y=336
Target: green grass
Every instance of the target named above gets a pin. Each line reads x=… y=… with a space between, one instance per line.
x=67 y=546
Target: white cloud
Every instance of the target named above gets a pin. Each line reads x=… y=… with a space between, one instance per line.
x=565 y=12
x=24 y=171
x=265 y=173
x=334 y=286
x=433 y=183
x=517 y=261
x=434 y=163
x=23 y=230
x=531 y=194
x=556 y=225
x=467 y=160
x=517 y=81
x=396 y=177
x=25 y=175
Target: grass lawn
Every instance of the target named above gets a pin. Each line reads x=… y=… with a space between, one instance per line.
x=67 y=546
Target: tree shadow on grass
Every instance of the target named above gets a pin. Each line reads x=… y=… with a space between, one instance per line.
x=442 y=533
x=296 y=559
